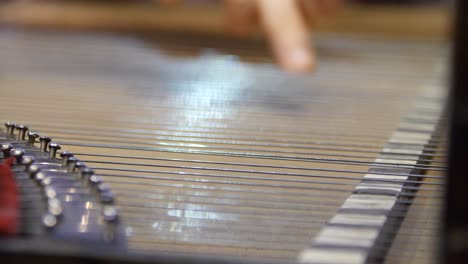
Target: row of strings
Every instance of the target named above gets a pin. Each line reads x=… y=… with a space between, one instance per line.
x=210 y=154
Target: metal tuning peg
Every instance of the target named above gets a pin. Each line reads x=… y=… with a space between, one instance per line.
x=44 y=143
x=32 y=170
x=49 y=220
x=17 y=154
x=65 y=155
x=71 y=164
x=27 y=161
x=32 y=135
x=94 y=180
x=22 y=129
x=10 y=127
x=53 y=147
x=39 y=177
x=110 y=214
x=105 y=195
x=50 y=192
x=6 y=148
x=78 y=167
x=86 y=173
x=46 y=182
x=54 y=207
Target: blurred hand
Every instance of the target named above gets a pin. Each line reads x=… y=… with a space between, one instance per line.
x=284 y=21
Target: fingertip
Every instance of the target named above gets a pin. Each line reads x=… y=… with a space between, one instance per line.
x=289 y=36
x=297 y=59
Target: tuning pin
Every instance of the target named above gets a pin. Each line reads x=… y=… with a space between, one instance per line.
x=10 y=127
x=86 y=173
x=71 y=164
x=110 y=213
x=27 y=161
x=32 y=135
x=22 y=129
x=39 y=176
x=50 y=192
x=54 y=207
x=49 y=220
x=94 y=180
x=107 y=197
x=78 y=167
x=6 y=148
x=44 y=143
x=46 y=182
x=53 y=147
x=102 y=187
x=17 y=154
x=105 y=194
x=65 y=155
x=32 y=170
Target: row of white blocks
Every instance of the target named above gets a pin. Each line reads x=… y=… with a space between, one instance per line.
x=350 y=235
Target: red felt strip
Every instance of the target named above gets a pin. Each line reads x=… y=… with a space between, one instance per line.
x=9 y=200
